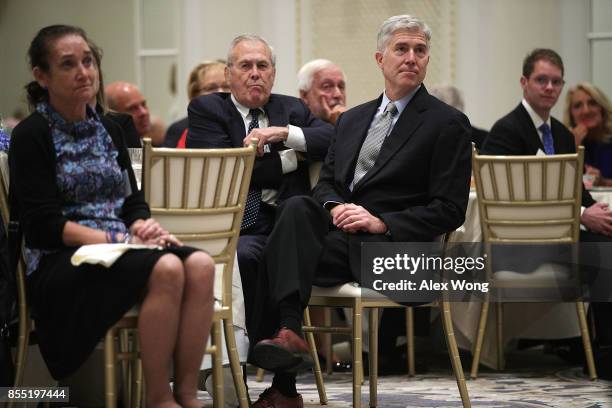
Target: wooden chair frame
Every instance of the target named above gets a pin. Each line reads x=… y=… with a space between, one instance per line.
x=181 y=210
x=506 y=185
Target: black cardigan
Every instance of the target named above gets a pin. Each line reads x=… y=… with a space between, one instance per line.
x=35 y=199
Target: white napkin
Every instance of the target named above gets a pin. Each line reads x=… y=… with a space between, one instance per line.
x=104 y=254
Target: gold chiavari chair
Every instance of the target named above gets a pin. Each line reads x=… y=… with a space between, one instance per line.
x=199 y=196
x=529 y=200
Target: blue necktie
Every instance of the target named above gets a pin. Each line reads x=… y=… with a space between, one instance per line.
x=547 y=140
x=253 y=201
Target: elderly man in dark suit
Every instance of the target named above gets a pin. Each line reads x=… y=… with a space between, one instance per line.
x=289 y=138
x=398 y=169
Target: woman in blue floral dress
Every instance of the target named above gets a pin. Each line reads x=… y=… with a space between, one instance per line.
x=72 y=185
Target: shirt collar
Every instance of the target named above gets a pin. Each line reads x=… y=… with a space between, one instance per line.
x=535 y=118
x=243 y=110
x=401 y=103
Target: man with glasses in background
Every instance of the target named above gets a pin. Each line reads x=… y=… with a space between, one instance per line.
x=529 y=130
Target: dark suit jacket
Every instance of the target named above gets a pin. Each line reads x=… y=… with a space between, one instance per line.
x=214 y=122
x=419 y=185
x=174 y=132
x=124 y=120
x=515 y=135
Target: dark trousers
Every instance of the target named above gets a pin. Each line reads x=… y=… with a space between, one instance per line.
x=250 y=251
x=303 y=249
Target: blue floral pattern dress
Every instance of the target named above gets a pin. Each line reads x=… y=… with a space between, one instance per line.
x=89 y=179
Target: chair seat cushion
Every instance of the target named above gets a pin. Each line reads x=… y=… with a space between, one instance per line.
x=350 y=289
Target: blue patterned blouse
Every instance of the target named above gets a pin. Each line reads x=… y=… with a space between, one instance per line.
x=89 y=179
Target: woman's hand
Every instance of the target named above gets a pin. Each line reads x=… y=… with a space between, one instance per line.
x=594 y=175
x=580 y=132
x=146 y=229
x=150 y=232
x=162 y=240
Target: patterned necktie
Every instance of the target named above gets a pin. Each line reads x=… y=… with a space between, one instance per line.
x=547 y=140
x=253 y=201
x=373 y=142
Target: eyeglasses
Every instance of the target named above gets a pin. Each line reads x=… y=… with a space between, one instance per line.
x=544 y=81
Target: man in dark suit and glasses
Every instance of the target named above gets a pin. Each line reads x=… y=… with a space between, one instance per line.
x=398 y=169
x=290 y=137
x=530 y=129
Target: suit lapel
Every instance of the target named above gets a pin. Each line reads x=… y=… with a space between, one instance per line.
x=408 y=122
x=235 y=124
x=532 y=137
x=347 y=150
x=275 y=113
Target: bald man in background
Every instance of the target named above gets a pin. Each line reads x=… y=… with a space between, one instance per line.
x=126 y=98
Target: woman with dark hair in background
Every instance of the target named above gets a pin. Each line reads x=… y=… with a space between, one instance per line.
x=588 y=114
x=73 y=185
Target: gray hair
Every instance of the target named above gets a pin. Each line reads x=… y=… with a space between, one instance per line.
x=402 y=22
x=308 y=71
x=449 y=95
x=249 y=37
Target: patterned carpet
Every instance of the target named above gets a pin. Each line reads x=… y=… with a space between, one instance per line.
x=549 y=383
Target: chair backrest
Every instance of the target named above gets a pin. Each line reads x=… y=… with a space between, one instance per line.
x=199 y=196
x=526 y=199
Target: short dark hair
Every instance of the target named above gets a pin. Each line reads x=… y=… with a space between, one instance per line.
x=539 y=54
x=39 y=51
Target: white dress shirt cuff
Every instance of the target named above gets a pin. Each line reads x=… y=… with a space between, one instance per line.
x=289 y=160
x=295 y=139
x=328 y=204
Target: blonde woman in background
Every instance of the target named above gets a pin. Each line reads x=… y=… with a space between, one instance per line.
x=207 y=77
x=588 y=114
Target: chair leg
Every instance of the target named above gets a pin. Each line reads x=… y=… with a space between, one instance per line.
x=482 y=326
x=357 y=363
x=217 y=366
x=410 y=340
x=259 y=376
x=586 y=341
x=126 y=366
x=237 y=375
x=329 y=352
x=373 y=352
x=499 y=318
x=138 y=386
x=22 y=349
x=109 y=369
x=315 y=357
x=451 y=343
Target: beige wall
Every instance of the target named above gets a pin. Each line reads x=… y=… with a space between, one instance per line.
x=491 y=37
x=107 y=22
x=496 y=35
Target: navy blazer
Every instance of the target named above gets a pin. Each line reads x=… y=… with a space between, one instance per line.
x=214 y=122
x=516 y=135
x=419 y=185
